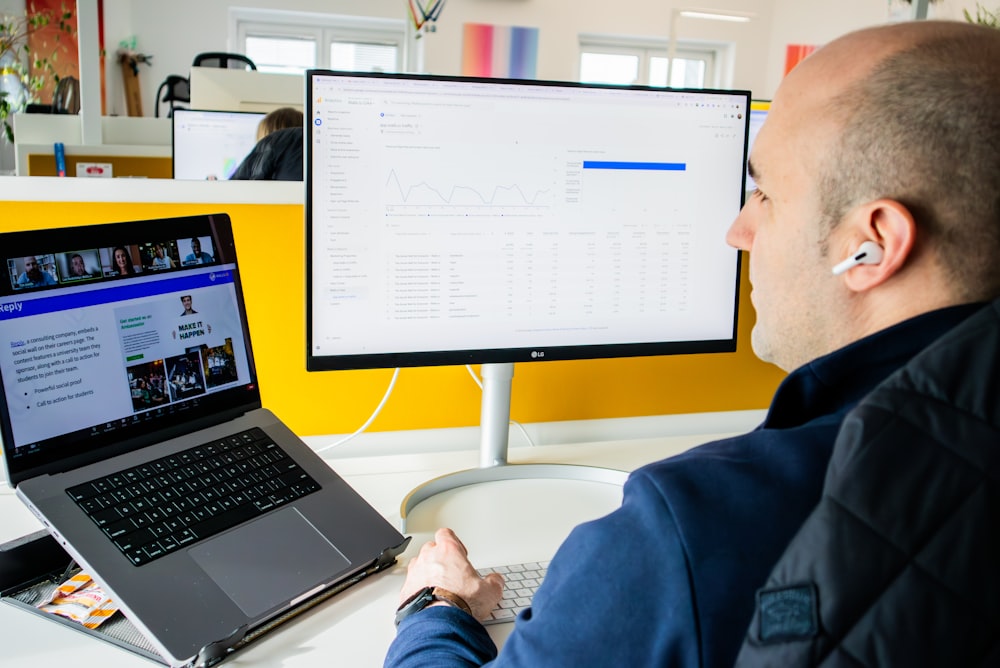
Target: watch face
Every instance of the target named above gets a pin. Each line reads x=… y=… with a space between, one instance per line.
x=415 y=603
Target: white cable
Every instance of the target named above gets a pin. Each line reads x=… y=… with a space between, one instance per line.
x=524 y=432
x=378 y=409
x=475 y=378
x=479 y=382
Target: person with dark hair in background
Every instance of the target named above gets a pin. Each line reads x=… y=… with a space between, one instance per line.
x=197 y=255
x=160 y=258
x=33 y=275
x=186 y=302
x=859 y=150
x=78 y=267
x=278 y=153
x=122 y=261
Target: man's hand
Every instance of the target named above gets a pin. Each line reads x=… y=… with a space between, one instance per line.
x=443 y=562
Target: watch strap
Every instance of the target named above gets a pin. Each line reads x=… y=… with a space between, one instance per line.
x=424 y=597
x=442 y=594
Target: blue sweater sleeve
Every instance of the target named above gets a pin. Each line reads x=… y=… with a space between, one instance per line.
x=616 y=593
x=440 y=636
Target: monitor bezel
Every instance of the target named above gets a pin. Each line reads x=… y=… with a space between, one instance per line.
x=77 y=449
x=452 y=357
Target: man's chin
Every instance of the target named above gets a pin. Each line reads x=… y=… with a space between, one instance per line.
x=760 y=346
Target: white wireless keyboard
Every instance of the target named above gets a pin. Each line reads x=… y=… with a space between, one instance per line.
x=520 y=583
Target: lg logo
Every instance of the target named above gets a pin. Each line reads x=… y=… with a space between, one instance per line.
x=537 y=354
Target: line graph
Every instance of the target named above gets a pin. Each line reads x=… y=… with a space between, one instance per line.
x=425 y=193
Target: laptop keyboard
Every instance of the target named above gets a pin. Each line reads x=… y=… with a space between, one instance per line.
x=520 y=583
x=153 y=509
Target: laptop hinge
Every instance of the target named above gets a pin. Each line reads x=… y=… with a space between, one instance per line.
x=215 y=652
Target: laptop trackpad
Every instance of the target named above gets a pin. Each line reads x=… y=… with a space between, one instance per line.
x=269 y=561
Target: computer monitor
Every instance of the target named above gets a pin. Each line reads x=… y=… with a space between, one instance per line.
x=455 y=220
x=758 y=112
x=210 y=145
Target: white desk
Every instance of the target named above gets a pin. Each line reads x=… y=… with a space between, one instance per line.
x=502 y=522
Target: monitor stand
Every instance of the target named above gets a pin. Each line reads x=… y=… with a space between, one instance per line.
x=493 y=465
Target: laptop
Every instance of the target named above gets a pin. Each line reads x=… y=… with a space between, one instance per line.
x=133 y=428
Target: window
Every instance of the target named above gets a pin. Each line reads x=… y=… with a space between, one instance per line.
x=615 y=60
x=292 y=42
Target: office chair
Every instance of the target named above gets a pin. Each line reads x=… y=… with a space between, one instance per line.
x=227 y=60
x=173 y=90
x=66 y=97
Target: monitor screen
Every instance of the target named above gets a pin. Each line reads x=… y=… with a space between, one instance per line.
x=210 y=145
x=460 y=220
x=758 y=112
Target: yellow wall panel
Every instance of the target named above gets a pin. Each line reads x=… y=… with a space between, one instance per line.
x=44 y=164
x=270 y=241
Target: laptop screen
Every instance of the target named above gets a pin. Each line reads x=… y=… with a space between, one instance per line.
x=117 y=336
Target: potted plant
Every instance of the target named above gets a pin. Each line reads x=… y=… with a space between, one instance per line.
x=25 y=71
x=983 y=17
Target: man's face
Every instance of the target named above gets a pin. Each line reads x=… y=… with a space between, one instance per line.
x=31 y=266
x=195 y=246
x=186 y=301
x=782 y=227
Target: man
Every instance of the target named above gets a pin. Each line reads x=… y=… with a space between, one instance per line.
x=887 y=135
x=33 y=275
x=197 y=256
x=186 y=302
x=78 y=267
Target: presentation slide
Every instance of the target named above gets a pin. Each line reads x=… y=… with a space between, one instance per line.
x=66 y=369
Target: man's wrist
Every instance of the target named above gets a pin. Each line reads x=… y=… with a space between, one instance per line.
x=427 y=596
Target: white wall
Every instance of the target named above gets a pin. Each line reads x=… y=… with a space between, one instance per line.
x=174 y=31
x=813 y=22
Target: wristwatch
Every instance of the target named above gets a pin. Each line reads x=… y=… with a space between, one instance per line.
x=425 y=597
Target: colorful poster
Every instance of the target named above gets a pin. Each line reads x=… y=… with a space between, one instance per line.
x=795 y=53
x=507 y=52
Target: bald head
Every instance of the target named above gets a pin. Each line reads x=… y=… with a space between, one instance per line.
x=912 y=113
x=889 y=135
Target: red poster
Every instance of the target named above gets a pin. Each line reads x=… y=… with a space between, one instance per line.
x=795 y=53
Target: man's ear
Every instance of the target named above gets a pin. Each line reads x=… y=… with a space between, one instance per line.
x=889 y=224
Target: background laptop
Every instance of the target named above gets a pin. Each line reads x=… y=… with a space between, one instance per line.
x=122 y=347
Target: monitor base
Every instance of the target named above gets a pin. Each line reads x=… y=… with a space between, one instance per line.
x=458 y=479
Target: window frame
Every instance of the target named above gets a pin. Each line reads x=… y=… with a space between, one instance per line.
x=717 y=56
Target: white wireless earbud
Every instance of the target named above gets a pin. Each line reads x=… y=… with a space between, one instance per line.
x=868 y=253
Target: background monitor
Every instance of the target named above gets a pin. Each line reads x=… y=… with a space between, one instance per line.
x=460 y=220
x=210 y=145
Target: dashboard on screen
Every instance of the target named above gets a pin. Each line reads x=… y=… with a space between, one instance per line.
x=210 y=145
x=758 y=114
x=459 y=220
